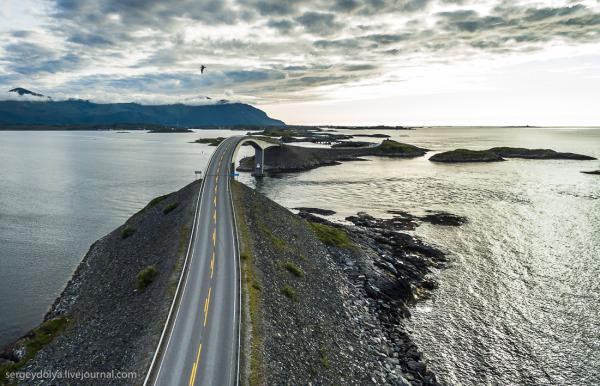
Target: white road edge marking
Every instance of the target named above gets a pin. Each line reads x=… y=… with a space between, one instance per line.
x=187 y=256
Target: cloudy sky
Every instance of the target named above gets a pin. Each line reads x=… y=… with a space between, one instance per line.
x=416 y=62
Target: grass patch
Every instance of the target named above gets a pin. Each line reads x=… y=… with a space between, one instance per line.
x=169 y=208
x=290 y=292
x=277 y=242
x=292 y=268
x=128 y=231
x=34 y=342
x=145 y=277
x=324 y=357
x=392 y=146
x=157 y=200
x=332 y=236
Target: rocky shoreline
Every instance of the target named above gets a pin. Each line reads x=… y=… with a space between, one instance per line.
x=111 y=313
x=331 y=299
x=324 y=302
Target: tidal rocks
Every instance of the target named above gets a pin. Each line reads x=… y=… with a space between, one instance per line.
x=444 y=218
x=322 y=212
x=405 y=221
x=400 y=221
x=286 y=158
x=499 y=153
x=372 y=135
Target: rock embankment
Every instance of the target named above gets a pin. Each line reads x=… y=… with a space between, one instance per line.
x=114 y=306
x=500 y=153
x=286 y=158
x=325 y=303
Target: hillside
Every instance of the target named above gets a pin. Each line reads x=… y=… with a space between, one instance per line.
x=89 y=113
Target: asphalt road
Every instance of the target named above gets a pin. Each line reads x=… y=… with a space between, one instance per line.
x=202 y=347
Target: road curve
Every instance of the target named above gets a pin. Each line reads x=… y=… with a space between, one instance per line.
x=200 y=345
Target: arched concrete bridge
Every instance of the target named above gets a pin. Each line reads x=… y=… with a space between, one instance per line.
x=259 y=144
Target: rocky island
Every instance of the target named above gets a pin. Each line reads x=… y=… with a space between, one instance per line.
x=500 y=153
x=287 y=158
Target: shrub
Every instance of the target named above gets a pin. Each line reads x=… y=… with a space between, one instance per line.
x=332 y=236
x=324 y=358
x=169 y=208
x=157 y=200
x=289 y=292
x=293 y=268
x=128 y=231
x=146 y=277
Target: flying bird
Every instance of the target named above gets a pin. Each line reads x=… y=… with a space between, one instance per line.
x=202 y=69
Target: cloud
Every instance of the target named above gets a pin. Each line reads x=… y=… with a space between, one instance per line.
x=319 y=23
x=264 y=50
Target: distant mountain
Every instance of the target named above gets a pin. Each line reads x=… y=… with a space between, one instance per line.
x=89 y=113
x=23 y=91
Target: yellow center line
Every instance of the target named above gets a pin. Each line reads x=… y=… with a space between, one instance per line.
x=212 y=265
x=195 y=366
x=206 y=306
x=214 y=237
x=215 y=200
x=215 y=215
x=216 y=188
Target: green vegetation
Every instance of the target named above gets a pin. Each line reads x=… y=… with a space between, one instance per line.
x=289 y=292
x=277 y=242
x=332 y=236
x=324 y=357
x=157 y=200
x=169 y=208
x=34 y=342
x=466 y=155
x=391 y=146
x=146 y=277
x=292 y=268
x=128 y=231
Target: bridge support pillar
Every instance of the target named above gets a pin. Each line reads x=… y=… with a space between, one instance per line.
x=259 y=161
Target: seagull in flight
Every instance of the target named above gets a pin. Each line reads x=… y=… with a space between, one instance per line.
x=202 y=69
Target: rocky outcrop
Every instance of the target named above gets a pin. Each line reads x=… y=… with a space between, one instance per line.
x=596 y=172
x=499 y=153
x=325 y=303
x=286 y=158
x=517 y=152
x=402 y=220
x=111 y=322
x=465 y=155
x=319 y=211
